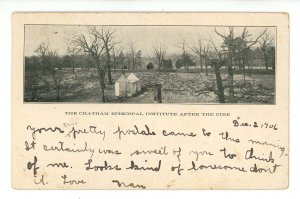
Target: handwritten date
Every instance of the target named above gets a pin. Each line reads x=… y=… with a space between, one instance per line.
x=254 y=124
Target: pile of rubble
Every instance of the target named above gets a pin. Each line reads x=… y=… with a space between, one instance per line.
x=181 y=88
x=253 y=92
x=171 y=82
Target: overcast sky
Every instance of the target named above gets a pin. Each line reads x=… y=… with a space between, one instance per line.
x=143 y=37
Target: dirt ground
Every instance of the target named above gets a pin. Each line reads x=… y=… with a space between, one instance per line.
x=83 y=86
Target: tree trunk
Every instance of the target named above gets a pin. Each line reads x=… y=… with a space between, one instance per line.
x=219 y=84
x=266 y=64
x=73 y=68
x=109 y=75
x=57 y=93
x=102 y=87
x=230 y=81
x=133 y=63
x=186 y=66
x=123 y=69
x=201 y=63
x=101 y=77
x=244 y=69
x=108 y=65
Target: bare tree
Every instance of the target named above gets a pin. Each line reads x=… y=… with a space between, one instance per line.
x=50 y=61
x=229 y=47
x=72 y=51
x=217 y=62
x=202 y=50
x=234 y=46
x=57 y=72
x=139 y=59
x=205 y=55
x=108 y=39
x=198 y=50
x=128 y=59
x=266 y=47
x=122 y=59
x=159 y=55
x=93 y=45
x=133 y=55
x=183 y=46
x=115 y=54
x=42 y=51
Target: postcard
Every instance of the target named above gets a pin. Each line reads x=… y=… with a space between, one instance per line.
x=150 y=101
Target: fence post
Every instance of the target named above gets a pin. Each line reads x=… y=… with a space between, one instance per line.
x=159 y=93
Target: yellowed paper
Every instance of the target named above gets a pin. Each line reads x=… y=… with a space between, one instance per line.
x=195 y=101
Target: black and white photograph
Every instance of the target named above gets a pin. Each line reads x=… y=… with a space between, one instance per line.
x=149 y=64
